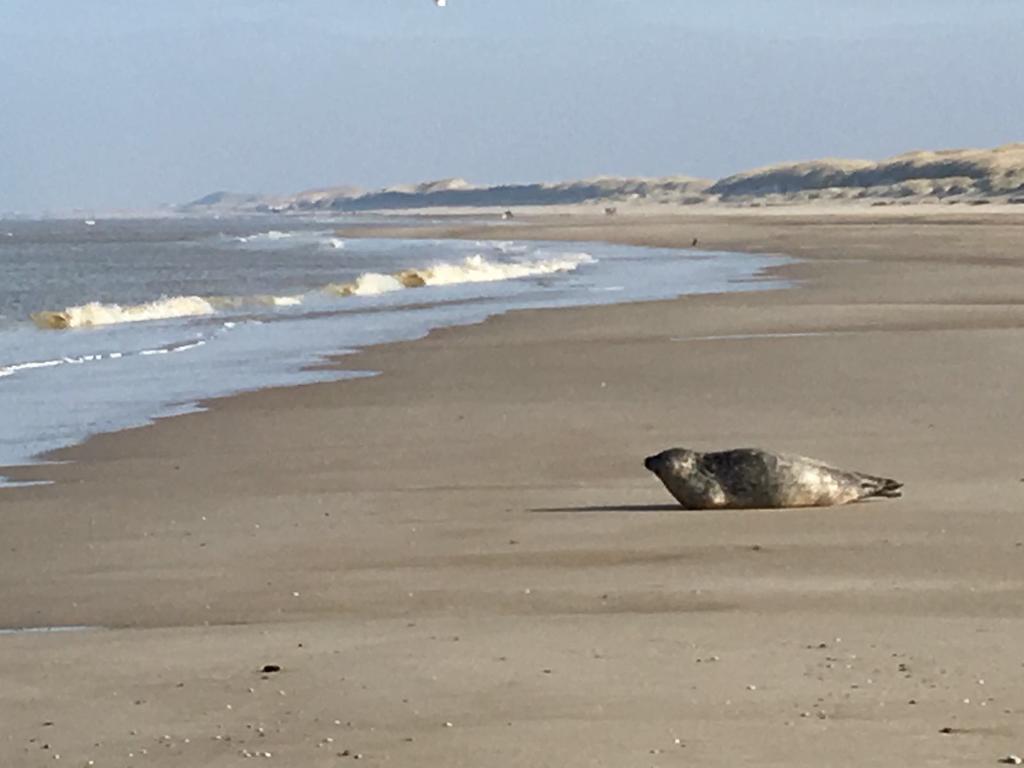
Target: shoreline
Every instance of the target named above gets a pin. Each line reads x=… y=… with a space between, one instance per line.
x=34 y=472
x=462 y=561
x=563 y=226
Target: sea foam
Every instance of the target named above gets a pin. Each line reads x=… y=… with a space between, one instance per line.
x=94 y=313
x=367 y=284
x=472 y=269
x=271 y=236
x=477 y=269
x=32 y=365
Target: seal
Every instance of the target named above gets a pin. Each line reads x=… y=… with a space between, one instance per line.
x=749 y=478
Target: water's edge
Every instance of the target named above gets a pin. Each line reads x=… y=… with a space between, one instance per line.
x=764 y=274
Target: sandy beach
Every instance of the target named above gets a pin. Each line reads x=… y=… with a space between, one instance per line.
x=463 y=562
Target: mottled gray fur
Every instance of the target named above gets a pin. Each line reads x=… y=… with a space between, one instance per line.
x=749 y=478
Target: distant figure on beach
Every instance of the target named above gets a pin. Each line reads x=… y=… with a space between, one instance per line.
x=611 y=210
x=749 y=478
x=694 y=243
x=506 y=215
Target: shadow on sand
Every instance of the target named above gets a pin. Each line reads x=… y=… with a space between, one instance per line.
x=615 y=508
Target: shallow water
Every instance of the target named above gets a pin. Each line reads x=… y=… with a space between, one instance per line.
x=109 y=325
x=45 y=630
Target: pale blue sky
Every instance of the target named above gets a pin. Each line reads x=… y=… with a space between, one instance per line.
x=108 y=103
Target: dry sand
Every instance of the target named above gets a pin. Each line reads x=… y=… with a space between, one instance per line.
x=462 y=562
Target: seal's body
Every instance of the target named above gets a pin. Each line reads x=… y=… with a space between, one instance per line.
x=749 y=478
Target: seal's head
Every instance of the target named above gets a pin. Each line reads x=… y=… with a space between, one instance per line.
x=675 y=462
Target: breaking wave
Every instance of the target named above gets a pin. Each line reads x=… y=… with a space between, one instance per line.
x=473 y=269
x=477 y=269
x=368 y=284
x=94 y=313
x=271 y=236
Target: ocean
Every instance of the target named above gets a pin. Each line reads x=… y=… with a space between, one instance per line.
x=110 y=324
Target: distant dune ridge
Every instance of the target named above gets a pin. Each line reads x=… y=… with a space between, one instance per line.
x=984 y=172
x=971 y=176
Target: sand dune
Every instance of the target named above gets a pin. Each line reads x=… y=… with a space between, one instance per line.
x=458 y=193
x=964 y=172
x=971 y=176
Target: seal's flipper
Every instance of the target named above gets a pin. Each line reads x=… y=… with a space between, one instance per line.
x=880 y=486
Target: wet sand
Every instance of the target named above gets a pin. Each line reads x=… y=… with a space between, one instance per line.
x=462 y=561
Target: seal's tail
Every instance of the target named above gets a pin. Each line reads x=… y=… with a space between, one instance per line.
x=879 y=486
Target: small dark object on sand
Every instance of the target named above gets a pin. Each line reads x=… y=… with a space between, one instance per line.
x=268 y=668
